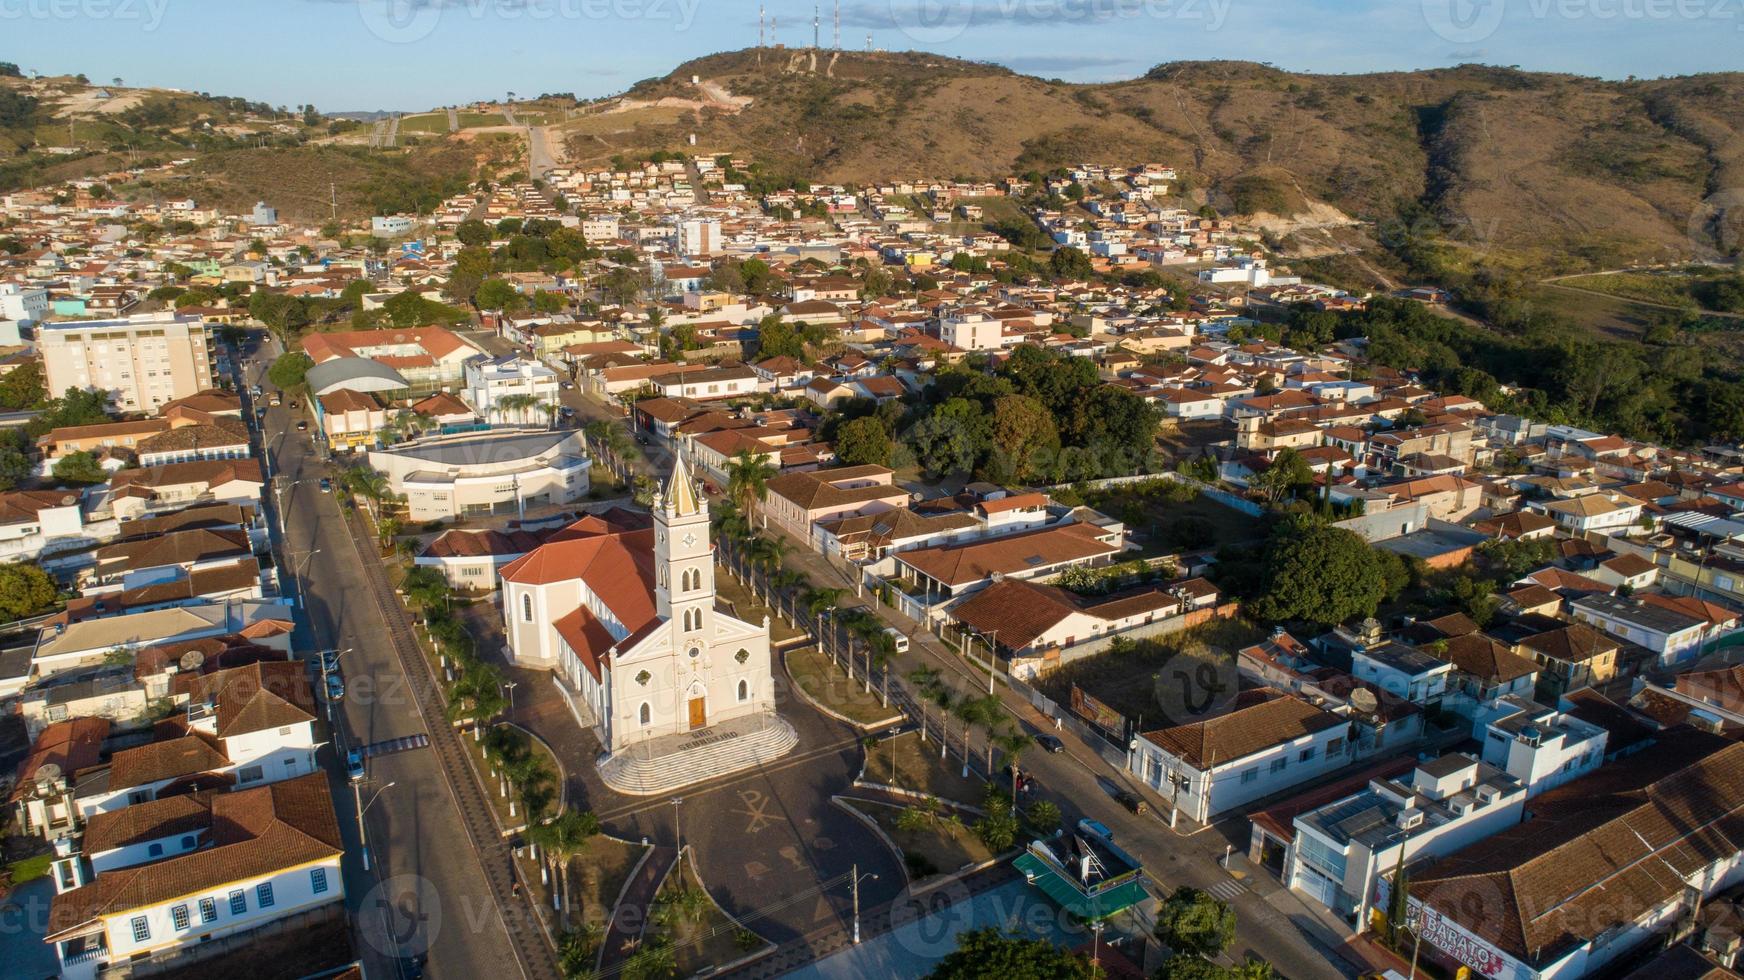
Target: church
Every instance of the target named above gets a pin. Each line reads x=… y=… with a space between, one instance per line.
x=625 y=617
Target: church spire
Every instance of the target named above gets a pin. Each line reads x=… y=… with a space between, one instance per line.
x=680 y=493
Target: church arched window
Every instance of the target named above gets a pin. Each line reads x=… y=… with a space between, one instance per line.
x=646 y=714
x=527 y=607
x=744 y=690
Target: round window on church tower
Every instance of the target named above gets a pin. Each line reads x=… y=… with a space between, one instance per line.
x=695 y=652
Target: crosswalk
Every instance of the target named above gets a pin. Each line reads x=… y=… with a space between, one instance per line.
x=392 y=745
x=1228 y=889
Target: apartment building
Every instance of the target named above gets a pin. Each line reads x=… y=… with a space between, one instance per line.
x=141 y=362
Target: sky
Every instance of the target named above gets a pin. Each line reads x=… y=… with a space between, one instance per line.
x=347 y=55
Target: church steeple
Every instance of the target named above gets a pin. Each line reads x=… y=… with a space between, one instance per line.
x=684 y=590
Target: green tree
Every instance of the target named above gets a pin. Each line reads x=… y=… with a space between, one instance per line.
x=79 y=467
x=989 y=954
x=997 y=828
x=289 y=370
x=1195 y=923
x=1043 y=815
x=954 y=438
x=1288 y=472
x=1069 y=263
x=497 y=294
x=864 y=440
x=1318 y=574
x=79 y=406
x=23 y=387
x=473 y=232
x=15 y=467
x=25 y=590
x=1023 y=430
x=748 y=479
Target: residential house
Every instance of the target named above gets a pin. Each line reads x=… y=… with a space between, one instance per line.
x=231 y=861
x=1267 y=742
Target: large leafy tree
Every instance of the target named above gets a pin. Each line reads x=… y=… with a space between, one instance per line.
x=79 y=406
x=988 y=954
x=864 y=440
x=1023 y=433
x=25 y=590
x=23 y=387
x=1319 y=574
x=954 y=438
x=79 y=467
x=1195 y=923
x=289 y=370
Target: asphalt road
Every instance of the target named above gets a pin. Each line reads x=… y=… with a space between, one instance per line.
x=425 y=895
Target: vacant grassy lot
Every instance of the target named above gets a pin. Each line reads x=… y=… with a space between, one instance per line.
x=429 y=122
x=1162 y=522
x=1173 y=679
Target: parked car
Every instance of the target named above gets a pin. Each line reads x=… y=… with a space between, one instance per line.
x=354 y=765
x=335 y=688
x=1134 y=803
x=898 y=640
x=1096 y=828
x=326 y=485
x=329 y=661
x=293 y=403
x=302 y=425
x=1050 y=743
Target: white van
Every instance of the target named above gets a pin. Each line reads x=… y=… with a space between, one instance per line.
x=896 y=637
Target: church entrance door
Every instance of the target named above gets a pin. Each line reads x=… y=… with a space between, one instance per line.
x=698 y=718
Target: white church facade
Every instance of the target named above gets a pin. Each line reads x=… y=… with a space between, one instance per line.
x=626 y=619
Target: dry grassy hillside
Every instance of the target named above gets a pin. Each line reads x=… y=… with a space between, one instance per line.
x=1539 y=171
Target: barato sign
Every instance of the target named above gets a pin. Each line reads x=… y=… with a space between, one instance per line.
x=1446 y=935
x=1097 y=713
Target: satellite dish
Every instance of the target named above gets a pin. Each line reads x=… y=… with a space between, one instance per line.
x=192 y=660
x=1363 y=699
x=46 y=774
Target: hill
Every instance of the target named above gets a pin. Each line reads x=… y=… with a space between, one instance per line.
x=307 y=163
x=1445 y=168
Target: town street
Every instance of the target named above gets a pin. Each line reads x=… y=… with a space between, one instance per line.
x=425 y=892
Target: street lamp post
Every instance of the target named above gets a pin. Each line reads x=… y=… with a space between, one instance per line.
x=510 y=685
x=858 y=877
x=362 y=834
x=677 y=835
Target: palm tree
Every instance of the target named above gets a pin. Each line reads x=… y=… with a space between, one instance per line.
x=970 y=711
x=765 y=556
x=785 y=584
x=561 y=841
x=992 y=714
x=425 y=587
x=548 y=410
x=517 y=403
x=817 y=602
x=748 y=479
x=1011 y=745
x=925 y=680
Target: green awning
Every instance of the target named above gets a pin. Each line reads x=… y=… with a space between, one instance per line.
x=1064 y=893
